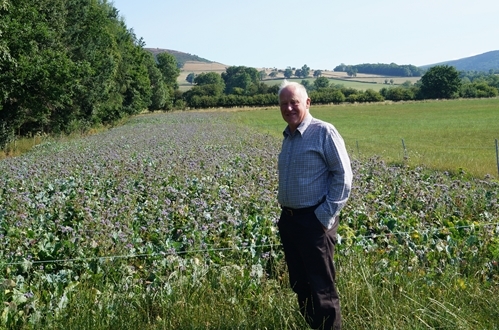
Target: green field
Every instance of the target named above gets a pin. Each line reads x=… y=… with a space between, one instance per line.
x=355 y=84
x=452 y=135
x=375 y=83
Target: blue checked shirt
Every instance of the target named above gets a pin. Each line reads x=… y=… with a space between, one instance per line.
x=314 y=164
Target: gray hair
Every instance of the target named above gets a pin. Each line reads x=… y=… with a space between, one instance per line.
x=299 y=87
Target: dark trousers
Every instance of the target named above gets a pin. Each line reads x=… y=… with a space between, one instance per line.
x=309 y=252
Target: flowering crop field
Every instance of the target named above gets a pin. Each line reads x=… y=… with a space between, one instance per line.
x=190 y=191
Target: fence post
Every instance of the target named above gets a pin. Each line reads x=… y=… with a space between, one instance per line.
x=405 y=150
x=497 y=157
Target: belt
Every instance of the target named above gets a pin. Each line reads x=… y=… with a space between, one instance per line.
x=293 y=212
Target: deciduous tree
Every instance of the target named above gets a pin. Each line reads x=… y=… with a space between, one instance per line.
x=351 y=71
x=241 y=79
x=305 y=71
x=190 y=78
x=167 y=64
x=440 y=82
x=317 y=73
x=160 y=98
x=321 y=82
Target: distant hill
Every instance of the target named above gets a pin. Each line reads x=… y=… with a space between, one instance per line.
x=179 y=56
x=482 y=62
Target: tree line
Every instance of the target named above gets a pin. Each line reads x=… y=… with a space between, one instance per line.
x=68 y=65
x=381 y=69
x=240 y=86
x=71 y=64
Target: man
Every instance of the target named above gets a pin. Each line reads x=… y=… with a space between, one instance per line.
x=314 y=184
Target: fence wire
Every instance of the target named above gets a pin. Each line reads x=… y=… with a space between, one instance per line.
x=175 y=252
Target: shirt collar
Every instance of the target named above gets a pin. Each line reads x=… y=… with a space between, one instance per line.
x=301 y=128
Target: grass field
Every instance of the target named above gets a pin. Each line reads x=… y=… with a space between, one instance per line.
x=349 y=83
x=453 y=135
x=361 y=82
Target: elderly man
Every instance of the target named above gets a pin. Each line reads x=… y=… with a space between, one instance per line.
x=314 y=185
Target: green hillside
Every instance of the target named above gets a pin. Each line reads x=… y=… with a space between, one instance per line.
x=483 y=62
x=179 y=56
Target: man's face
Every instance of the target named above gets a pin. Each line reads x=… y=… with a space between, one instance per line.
x=294 y=106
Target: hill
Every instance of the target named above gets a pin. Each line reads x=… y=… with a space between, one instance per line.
x=181 y=57
x=189 y=63
x=483 y=62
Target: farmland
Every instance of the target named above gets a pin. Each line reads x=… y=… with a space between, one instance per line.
x=169 y=221
x=361 y=82
x=355 y=83
x=197 y=68
x=451 y=135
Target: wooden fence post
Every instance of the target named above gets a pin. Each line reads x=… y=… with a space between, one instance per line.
x=497 y=157
x=405 y=150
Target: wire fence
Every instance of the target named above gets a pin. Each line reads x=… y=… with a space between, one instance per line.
x=197 y=251
x=406 y=150
x=497 y=156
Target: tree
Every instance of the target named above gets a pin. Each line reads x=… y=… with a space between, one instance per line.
x=305 y=71
x=371 y=95
x=133 y=75
x=241 y=80
x=4 y=49
x=477 y=89
x=167 y=64
x=209 y=78
x=160 y=99
x=96 y=37
x=306 y=84
x=68 y=64
x=208 y=84
x=351 y=71
x=341 y=68
x=317 y=73
x=321 y=82
x=262 y=74
x=36 y=69
x=391 y=69
x=493 y=80
x=190 y=78
x=288 y=73
x=273 y=74
x=440 y=82
x=327 y=96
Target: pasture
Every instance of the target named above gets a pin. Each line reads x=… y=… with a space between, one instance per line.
x=447 y=135
x=197 y=68
x=358 y=84
x=169 y=222
x=361 y=82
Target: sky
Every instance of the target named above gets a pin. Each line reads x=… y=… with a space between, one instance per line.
x=319 y=33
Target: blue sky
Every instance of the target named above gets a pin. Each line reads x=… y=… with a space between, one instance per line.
x=319 y=33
